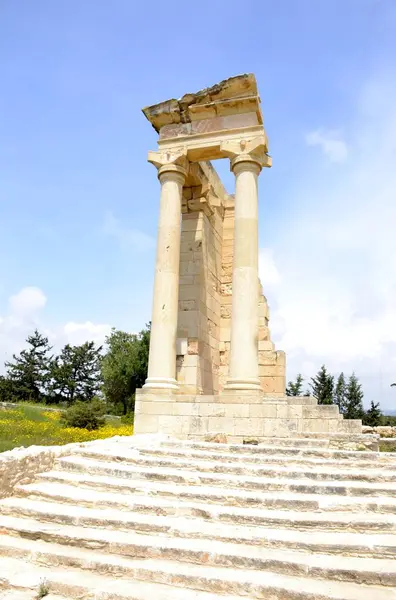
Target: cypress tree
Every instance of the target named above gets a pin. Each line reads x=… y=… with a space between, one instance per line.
x=322 y=386
x=353 y=399
x=295 y=388
x=339 y=395
x=373 y=416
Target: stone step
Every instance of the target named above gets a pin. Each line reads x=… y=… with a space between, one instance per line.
x=365 y=471
x=278 y=478
x=18 y=594
x=187 y=577
x=308 y=442
x=8 y=594
x=176 y=585
x=85 y=585
x=199 y=506
x=207 y=495
x=268 y=447
x=200 y=552
x=307 y=439
x=25 y=595
x=182 y=526
x=279 y=455
x=346 y=441
x=299 y=400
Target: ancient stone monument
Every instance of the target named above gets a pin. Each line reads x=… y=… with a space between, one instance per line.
x=309 y=514
x=212 y=366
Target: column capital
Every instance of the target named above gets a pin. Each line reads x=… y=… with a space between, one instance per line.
x=172 y=162
x=253 y=151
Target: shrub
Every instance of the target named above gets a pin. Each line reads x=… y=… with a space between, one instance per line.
x=128 y=418
x=85 y=415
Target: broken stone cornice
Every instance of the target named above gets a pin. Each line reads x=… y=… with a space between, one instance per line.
x=233 y=89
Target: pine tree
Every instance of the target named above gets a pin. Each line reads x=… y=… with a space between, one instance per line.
x=295 y=388
x=353 y=399
x=339 y=395
x=373 y=417
x=29 y=371
x=76 y=373
x=323 y=386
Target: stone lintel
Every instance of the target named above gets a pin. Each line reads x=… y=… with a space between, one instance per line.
x=209 y=125
x=208 y=146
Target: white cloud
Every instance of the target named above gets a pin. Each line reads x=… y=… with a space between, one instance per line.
x=24 y=315
x=27 y=302
x=20 y=320
x=269 y=274
x=331 y=143
x=79 y=333
x=335 y=302
x=127 y=237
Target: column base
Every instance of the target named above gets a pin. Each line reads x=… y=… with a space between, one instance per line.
x=243 y=385
x=161 y=383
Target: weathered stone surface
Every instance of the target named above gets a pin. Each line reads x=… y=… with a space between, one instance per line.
x=205 y=104
x=218 y=438
x=383 y=431
x=150 y=517
x=244 y=414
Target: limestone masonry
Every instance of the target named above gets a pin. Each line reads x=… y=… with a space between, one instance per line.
x=213 y=368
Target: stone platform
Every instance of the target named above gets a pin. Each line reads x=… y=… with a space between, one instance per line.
x=239 y=417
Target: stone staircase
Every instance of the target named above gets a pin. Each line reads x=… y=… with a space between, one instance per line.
x=147 y=518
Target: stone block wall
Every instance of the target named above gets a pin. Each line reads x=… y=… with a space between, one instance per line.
x=198 y=332
x=21 y=465
x=238 y=417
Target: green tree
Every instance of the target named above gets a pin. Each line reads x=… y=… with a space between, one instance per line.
x=142 y=355
x=340 y=391
x=29 y=372
x=294 y=388
x=76 y=373
x=353 y=399
x=6 y=389
x=322 y=386
x=124 y=367
x=373 y=417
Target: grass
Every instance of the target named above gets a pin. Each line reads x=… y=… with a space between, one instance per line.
x=32 y=426
x=43 y=590
x=387 y=447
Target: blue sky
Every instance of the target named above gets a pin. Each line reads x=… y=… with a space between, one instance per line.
x=79 y=202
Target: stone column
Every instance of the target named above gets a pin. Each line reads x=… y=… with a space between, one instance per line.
x=172 y=171
x=247 y=160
